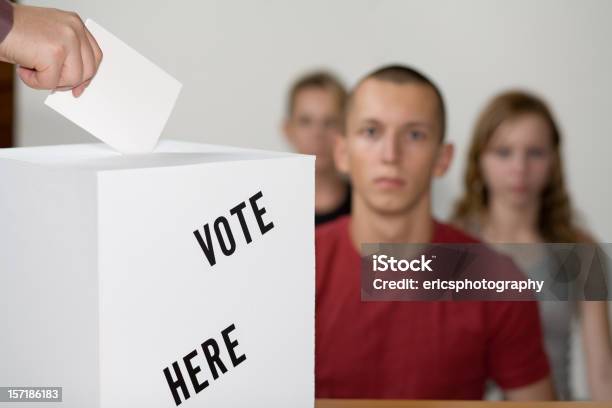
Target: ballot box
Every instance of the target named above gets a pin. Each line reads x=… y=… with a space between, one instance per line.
x=183 y=277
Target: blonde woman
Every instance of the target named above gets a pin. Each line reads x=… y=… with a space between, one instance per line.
x=515 y=193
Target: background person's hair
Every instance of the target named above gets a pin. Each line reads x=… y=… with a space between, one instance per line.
x=555 y=215
x=319 y=80
x=402 y=74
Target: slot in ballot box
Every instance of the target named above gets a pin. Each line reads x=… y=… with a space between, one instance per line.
x=181 y=277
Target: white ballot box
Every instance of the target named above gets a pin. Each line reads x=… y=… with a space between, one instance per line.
x=181 y=277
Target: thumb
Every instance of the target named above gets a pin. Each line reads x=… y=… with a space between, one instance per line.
x=46 y=79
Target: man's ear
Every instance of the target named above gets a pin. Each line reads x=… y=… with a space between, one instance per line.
x=341 y=153
x=445 y=156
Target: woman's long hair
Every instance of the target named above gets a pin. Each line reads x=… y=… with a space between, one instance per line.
x=555 y=214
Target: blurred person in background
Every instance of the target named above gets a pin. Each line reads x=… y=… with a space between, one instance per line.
x=515 y=193
x=314 y=118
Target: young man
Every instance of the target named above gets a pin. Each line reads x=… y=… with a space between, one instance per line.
x=314 y=119
x=392 y=149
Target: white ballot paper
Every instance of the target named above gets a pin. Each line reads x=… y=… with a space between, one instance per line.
x=127 y=103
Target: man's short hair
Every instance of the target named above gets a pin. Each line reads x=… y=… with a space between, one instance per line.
x=321 y=80
x=401 y=74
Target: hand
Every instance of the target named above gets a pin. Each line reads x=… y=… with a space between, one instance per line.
x=53 y=48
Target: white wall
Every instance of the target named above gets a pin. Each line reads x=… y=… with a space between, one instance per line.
x=236 y=59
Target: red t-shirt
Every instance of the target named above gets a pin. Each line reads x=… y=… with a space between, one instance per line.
x=415 y=350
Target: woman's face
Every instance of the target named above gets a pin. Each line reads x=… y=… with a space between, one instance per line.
x=517 y=162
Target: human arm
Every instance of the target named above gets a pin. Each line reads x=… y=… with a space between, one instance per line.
x=53 y=48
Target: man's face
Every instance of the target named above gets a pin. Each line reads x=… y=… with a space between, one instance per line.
x=392 y=147
x=314 y=124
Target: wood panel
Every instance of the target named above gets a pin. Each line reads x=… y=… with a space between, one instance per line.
x=7 y=73
x=340 y=403
x=7 y=103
